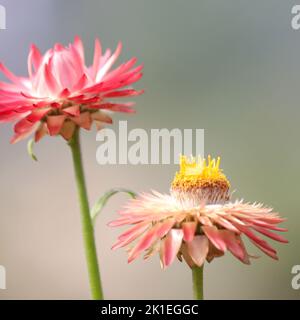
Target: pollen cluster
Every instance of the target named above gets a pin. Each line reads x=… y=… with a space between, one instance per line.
x=201 y=179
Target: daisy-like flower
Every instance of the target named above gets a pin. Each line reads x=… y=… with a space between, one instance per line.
x=197 y=221
x=61 y=92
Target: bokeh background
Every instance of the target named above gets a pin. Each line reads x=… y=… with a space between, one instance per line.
x=230 y=67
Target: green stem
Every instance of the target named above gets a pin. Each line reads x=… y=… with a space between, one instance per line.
x=87 y=226
x=198 y=282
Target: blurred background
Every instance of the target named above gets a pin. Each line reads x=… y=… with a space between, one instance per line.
x=229 y=67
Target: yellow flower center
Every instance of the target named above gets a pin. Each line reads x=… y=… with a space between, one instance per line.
x=201 y=179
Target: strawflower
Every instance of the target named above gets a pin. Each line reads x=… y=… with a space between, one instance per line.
x=61 y=95
x=196 y=221
x=61 y=92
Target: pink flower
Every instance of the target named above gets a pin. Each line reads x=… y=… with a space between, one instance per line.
x=61 y=92
x=196 y=222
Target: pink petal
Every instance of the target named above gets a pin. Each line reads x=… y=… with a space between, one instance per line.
x=198 y=249
x=170 y=246
x=38 y=114
x=105 y=68
x=151 y=251
x=189 y=229
x=10 y=75
x=67 y=130
x=50 y=80
x=226 y=224
x=144 y=243
x=105 y=57
x=41 y=132
x=9 y=88
x=215 y=236
x=235 y=246
x=10 y=116
x=23 y=126
x=97 y=57
x=72 y=111
x=81 y=83
x=84 y=120
x=270 y=252
x=271 y=235
x=120 y=70
x=272 y=220
x=64 y=93
x=55 y=123
x=79 y=47
x=165 y=227
x=187 y=257
x=101 y=116
x=121 y=81
x=31 y=97
x=130 y=235
x=213 y=252
x=83 y=100
x=266 y=225
x=123 y=93
x=256 y=239
x=24 y=134
x=205 y=221
x=133 y=230
x=122 y=221
x=124 y=107
x=34 y=59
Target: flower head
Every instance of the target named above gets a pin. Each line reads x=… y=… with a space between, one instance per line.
x=61 y=92
x=196 y=222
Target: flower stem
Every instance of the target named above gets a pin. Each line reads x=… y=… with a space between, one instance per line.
x=87 y=226
x=198 y=282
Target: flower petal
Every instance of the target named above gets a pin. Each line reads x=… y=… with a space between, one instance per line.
x=170 y=246
x=123 y=93
x=235 y=245
x=226 y=224
x=38 y=114
x=215 y=236
x=271 y=235
x=205 y=221
x=23 y=134
x=78 y=45
x=55 y=123
x=105 y=68
x=185 y=254
x=101 y=116
x=41 y=132
x=198 y=249
x=83 y=120
x=131 y=234
x=34 y=59
x=97 y=57
x=189 y=229
x=67 y=130
x=144 y=243
x=165 y=227
x=72 y=111
x=118 y=107
x=213 y=252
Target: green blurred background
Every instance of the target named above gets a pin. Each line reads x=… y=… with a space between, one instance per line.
x=230 y=67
